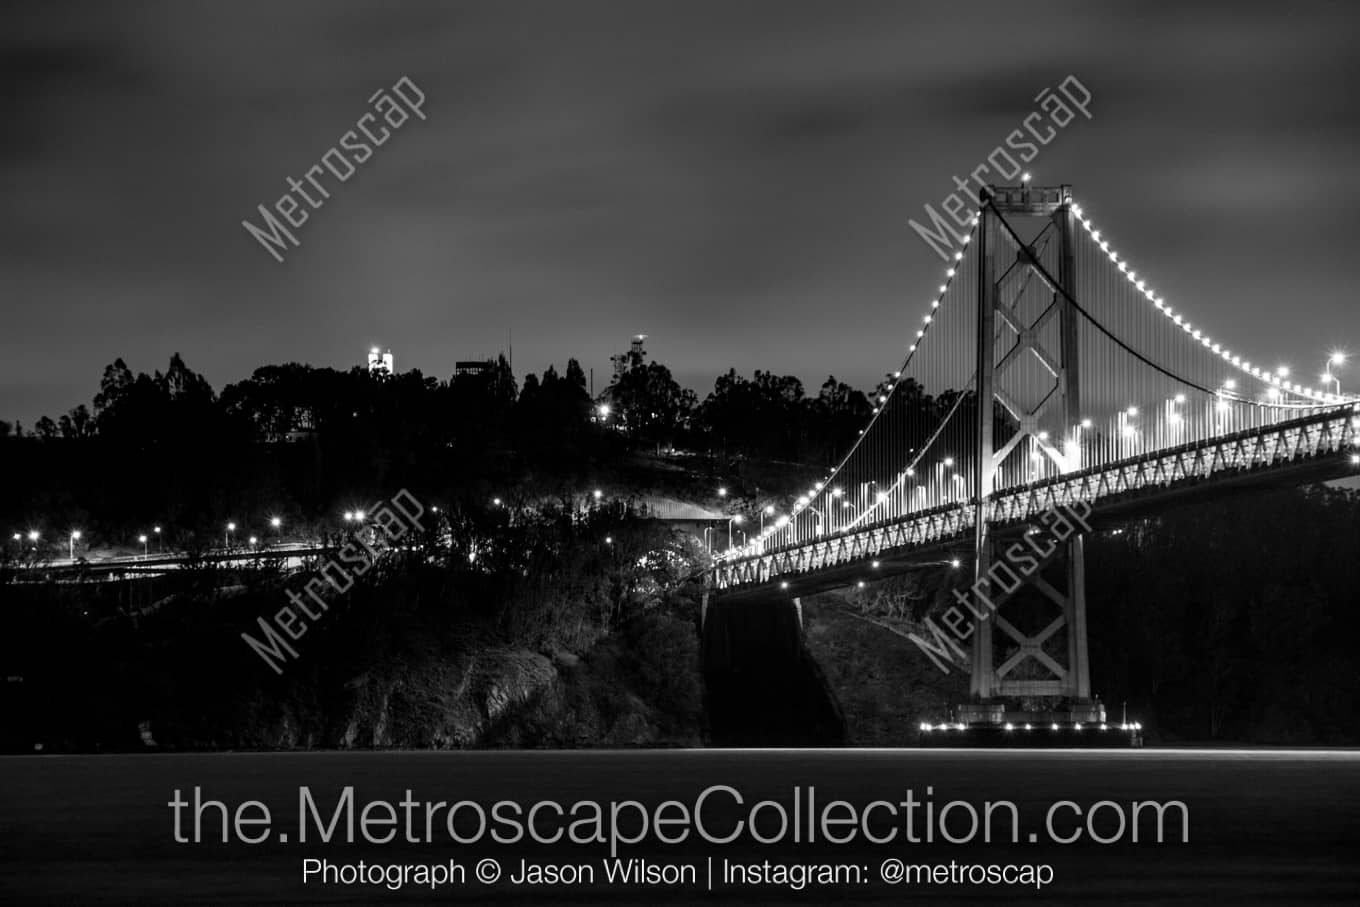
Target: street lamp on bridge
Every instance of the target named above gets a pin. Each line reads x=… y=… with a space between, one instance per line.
x=75 y=536
x=1334 y=362
x=738 y=519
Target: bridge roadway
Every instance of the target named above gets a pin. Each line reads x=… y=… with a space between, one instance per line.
x=292 y=554
x=1315 y=448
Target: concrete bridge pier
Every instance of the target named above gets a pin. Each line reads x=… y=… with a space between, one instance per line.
x=762 y=686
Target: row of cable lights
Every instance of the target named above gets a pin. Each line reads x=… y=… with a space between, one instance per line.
x=804 y=501
x=1204 y=339
x=920 y=335
x=927 y=727
x=1246 y=367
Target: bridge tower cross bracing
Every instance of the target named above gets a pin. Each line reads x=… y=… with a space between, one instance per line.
x=1069 y=671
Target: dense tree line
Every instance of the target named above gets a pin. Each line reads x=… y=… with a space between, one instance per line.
x=299 y=441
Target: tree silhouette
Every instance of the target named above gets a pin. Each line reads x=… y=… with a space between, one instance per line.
x=650 y=404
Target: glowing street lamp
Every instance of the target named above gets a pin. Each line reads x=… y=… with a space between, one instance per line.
x=143 y=538
x=768 y=510
x=33 y=535
x=75 y=536
x=253 y=541
x=226 y=537
x=722 y=492
x=738 y=519
x=1334 y=362
x=160 y=543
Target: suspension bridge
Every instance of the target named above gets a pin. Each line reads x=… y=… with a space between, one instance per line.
x=1046 y=375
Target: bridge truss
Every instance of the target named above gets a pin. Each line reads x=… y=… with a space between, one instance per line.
x=1098 y=395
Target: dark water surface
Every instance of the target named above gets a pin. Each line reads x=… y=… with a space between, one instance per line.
x=1265 y=826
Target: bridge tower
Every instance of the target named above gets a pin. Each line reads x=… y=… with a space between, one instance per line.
x=1061 y=671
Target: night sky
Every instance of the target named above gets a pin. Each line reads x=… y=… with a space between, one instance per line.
x=733 y=179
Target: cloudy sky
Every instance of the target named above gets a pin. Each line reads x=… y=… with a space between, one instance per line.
x=733 y=179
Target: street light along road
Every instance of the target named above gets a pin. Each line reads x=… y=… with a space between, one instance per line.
x=738 y=519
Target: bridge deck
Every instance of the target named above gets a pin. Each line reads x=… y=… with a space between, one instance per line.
x=1317 y=447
